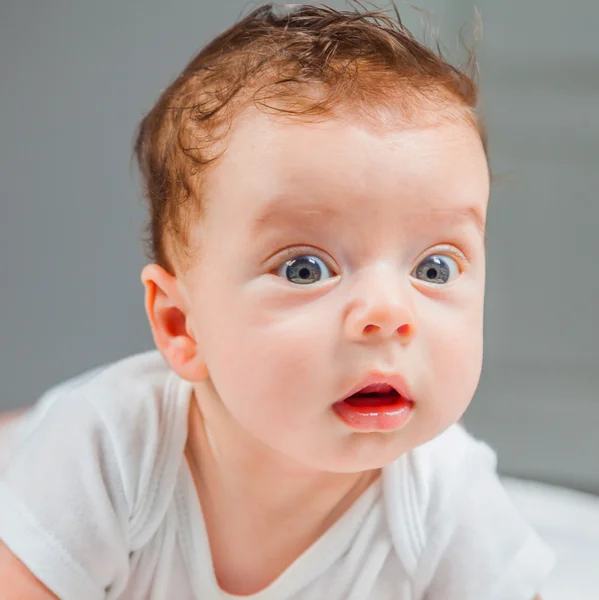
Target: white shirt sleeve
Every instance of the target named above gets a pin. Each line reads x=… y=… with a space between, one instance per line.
x=63 y=509
x=479 y=544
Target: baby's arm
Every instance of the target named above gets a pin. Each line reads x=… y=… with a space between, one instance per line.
x=64 y=513
x=17 y=582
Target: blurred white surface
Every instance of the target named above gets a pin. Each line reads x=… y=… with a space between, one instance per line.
x=569 y=522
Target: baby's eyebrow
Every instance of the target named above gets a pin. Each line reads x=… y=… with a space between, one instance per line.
x=466 y=213
x=284 y=210
x=458 y=216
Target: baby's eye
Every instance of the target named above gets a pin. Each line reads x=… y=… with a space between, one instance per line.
x=437 y=268
x=304 y=269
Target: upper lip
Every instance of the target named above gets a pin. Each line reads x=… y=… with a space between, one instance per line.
x=395 y=380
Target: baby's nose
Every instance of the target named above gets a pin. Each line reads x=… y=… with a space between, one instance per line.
x=381 y=308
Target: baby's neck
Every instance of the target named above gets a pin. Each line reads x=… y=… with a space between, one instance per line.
x=249 y=496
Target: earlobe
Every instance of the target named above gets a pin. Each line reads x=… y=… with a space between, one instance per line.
x=168 y=316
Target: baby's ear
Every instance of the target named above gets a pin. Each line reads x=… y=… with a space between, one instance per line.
x=168 y=315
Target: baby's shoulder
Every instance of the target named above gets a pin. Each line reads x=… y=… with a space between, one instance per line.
x=440 y=469
x=434 y=473
x=131 y=414
x=92 y=472
x=136 y=399
x=423 y=487
x=453 y=526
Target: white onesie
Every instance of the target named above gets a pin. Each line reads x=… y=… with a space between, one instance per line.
x=96 y=498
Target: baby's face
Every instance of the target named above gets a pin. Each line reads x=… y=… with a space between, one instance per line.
x=332 y=256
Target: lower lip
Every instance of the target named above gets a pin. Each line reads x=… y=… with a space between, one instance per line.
x=383 y=417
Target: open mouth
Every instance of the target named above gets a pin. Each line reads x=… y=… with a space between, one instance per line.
x=383 y=403
x=377 y=394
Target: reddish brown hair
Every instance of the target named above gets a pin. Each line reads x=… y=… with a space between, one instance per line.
x=298 y=60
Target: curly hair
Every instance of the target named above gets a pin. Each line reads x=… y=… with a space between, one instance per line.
x=302 y=61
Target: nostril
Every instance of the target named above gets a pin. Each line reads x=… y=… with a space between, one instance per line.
x=404 y=330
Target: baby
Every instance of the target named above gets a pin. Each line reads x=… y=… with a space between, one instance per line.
x=318 y=184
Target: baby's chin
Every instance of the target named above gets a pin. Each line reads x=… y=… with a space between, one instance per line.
x=358 y=452
x=366 y=451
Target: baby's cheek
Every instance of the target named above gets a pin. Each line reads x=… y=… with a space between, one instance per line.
x=457 y=355
x=270 y=358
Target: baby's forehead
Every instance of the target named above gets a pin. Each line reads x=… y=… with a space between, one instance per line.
x=344 y=151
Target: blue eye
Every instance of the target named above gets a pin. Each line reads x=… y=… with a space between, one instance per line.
x=304 y=269
x=437 y=269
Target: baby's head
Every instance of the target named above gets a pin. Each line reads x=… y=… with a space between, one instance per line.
x=318 y=187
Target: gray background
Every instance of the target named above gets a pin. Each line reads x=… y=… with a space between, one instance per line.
x=75 y=78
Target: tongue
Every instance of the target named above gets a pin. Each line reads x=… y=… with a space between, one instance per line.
x=371 y=400
x=378 y=394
